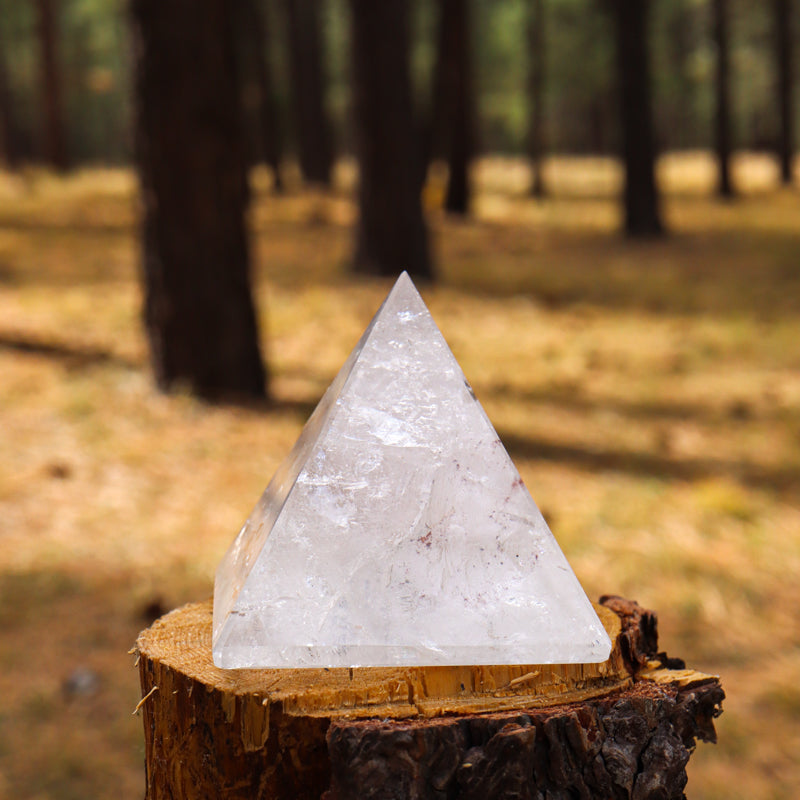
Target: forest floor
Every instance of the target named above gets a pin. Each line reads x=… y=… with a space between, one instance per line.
x=649 y=393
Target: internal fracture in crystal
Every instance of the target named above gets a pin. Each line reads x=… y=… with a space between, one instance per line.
x=398 y=531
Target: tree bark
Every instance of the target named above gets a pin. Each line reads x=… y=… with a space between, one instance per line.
x=785 y=83
x=722 y=122
x=55 y=145
x=312 y=126
x=631 y=745
x=621 y=729
x=535 y=82
x=9 y=152
x=268 y=139
x=450 y=131
x=453 y=101
x=642 y=215
x=198 y=311
x=391 y=235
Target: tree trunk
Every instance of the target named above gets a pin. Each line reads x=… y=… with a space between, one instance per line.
x=198 y=310
x=642 y=217
x=55 y=146
x=450 y=129
x=268 y=140
x=391 y=234
x=535 y=80
x=622 y=729
x=722 y=88
x=783 y=33
x=454 y=98
x=312 y=126
x=9 y=152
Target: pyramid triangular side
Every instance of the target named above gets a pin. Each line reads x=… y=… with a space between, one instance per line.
x=407 y=536
x=241 y=556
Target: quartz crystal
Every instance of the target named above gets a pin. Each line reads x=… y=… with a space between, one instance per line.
x=398 y=531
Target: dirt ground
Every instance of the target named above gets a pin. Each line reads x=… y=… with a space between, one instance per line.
x=648 y=392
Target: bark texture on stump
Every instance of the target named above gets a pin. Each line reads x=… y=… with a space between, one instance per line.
x=630 y=745
x=199 y=313
x=621 y=729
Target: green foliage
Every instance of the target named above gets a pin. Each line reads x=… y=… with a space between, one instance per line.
x=500 y=72
x=95 y=64
x=96 y=74
x=580 y=79
x=94 y=53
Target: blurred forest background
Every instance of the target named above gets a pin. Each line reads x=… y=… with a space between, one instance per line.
x=95 y=64
x=207 y=201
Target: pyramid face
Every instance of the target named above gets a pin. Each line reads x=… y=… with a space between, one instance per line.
x=398 y=531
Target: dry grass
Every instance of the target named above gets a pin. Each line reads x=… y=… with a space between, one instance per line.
x=650 y=394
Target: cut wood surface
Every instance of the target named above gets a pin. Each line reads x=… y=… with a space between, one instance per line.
x=412 y=732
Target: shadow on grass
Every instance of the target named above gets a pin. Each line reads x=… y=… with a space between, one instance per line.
x=780 y=479
x=84 y=357
x=72 y=356
x=739 y=263
x=568 y=396
x=688 y=273
x=67 y=226
x=295 y=407
x=784 y=480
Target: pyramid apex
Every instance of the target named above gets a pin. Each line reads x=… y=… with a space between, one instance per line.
x=403 y=284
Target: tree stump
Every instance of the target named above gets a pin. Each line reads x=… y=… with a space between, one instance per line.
x=621 y=729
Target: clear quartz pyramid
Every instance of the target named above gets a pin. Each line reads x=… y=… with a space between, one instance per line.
x=398 y=531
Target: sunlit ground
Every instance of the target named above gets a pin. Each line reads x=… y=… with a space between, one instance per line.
x=649 y=393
